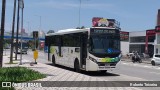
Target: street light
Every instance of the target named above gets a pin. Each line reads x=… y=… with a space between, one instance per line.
x=21 y=5
x=16 y=46
x=80 y=3
x=79 y=13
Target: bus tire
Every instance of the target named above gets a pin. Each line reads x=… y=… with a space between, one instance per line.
x=53 y=61
x=76 y=66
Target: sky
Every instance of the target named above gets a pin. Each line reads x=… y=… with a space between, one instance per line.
x=133 y=15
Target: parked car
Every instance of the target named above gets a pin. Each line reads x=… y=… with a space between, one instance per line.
x=24 y=48
x=155 y=60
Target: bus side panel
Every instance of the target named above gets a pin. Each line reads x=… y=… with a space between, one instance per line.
x=64 y=56
x=72 y=55
x=54 y=51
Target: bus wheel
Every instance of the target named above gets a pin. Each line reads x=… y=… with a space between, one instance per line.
x=53 y=61
x=76 y=66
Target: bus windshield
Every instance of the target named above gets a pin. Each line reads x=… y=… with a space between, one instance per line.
x=104 y=44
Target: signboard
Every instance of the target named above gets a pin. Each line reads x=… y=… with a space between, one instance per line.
x=150 y=32
x=157 y=29
x=124 y=36
x=103 y=22
x=103 y=31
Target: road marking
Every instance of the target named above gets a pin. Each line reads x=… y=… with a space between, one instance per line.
x=124 y=63
x=132 y=88
x=141 y=65
x=146 y=66
x=154 y=73
x=135 y=64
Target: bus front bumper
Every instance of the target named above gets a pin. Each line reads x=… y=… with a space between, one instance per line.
x=99 y=66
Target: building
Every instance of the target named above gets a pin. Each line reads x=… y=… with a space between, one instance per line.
x=140 y=41
x=124 y=42
x=157 y=40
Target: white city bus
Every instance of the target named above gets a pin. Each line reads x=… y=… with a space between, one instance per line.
x=91 y=49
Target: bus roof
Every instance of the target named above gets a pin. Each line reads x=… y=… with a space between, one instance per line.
x=67 y=31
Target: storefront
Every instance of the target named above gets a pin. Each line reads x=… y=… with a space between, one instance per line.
x=142 y=41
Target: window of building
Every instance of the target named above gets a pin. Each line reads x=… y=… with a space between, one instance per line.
x=137 y=39
x=151 y=38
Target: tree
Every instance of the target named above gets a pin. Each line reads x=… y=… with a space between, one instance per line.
x=50 y=31
x=13 y=24
x=80 y=27
x=2 y=31
x=83 y=27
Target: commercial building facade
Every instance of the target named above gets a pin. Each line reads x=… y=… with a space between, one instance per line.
x=140 y=41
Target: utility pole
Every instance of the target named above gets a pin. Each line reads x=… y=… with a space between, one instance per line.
x=16 y=46
x=12 y=39
x=79 y=13
x=21 y=3
x=2 y=31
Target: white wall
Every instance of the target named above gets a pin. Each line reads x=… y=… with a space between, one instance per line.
x=124 y=47
x=137 y=33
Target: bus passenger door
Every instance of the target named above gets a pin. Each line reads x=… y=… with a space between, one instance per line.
x=83 y=50
x=60 y=55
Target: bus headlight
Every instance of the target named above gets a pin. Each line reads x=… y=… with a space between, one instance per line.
x=92 y=59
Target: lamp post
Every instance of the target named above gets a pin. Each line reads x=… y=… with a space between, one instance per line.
x=79 y=14
x=21 y=3
x=16 y=46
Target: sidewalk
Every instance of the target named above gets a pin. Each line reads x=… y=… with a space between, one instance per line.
x=59 y=74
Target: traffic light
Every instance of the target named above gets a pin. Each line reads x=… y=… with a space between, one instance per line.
x=35 y=34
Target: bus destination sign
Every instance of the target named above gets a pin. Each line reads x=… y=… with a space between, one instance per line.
x=103 y=31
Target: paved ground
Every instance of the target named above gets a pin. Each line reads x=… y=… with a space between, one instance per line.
x=144 y=60
x=60 y=74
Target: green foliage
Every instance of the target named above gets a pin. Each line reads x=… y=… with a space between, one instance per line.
x=18 y=74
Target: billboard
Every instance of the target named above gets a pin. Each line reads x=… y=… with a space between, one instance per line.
x=124 y=36
x=150 y=32
x=103 y=22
